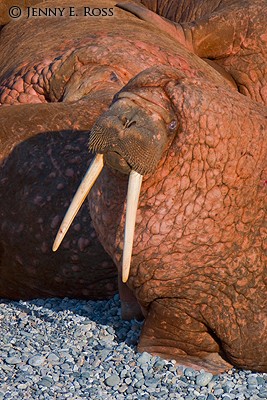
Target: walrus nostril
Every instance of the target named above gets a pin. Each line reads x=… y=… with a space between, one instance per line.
x=128 y=121
x=124 y=120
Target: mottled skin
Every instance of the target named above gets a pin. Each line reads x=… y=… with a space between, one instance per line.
x=6 y=4
x=199 y=260
x=43 y=146
x=38 y=175
x=199 y=257
x=69 y=81
x=229 y=34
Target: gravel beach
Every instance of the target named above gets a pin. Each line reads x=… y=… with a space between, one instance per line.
x=69 y=349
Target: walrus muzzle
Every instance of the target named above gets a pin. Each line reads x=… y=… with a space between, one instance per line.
x=130 y=137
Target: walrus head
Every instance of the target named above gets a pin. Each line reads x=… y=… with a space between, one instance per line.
x=132 y=134
x=131 y=137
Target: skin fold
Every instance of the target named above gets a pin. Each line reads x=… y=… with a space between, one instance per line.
x=201 y=227
x=229 y=34
x=50 y=97
x=198 y=268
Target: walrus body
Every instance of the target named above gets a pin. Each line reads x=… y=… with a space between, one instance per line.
x=197 y=268
x=51 y=94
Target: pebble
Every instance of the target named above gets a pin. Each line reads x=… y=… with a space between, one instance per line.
x=190 y=372
x=13 y=360
x=144 y=358
x=46 y=381
x=70 y=349
x=218 y=392
x=53 y=358
x=36 y=361
x=226 y=397
x=211 y=397
x=113 y=380
x=204 y=378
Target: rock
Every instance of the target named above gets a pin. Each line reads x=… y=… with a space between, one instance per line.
x=53 y=358
x=189 y=372
x=252 y=380
x=260 y=381
x=159 y=364
x=46 y=381
x=36 y=361
x=144 y=358
x=13 y=360
x=204 y=378
x=152 y=382
x=211 y=397
x=112 y=380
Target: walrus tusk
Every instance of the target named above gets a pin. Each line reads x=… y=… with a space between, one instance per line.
x=82 y=191
x=134 y=187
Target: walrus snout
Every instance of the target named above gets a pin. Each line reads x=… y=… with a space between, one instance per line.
x=130 y=136
x=114 y=160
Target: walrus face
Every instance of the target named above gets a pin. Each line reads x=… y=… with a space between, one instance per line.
x=130 y=137
x=132 y=134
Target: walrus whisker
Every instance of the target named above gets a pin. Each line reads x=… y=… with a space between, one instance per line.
x=134 y=187
x=81 y=194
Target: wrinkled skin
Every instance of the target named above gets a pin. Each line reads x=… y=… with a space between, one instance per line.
x=51 y=95
x=6 y=4
x=198 y=263
x=198 y=266
x=229 y=34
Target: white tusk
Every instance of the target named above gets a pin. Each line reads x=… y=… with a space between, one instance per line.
x=134 y=186
x=89 y=179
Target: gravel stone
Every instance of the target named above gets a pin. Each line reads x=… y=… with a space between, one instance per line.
x=226 y=397
x=218 y=392
x=144 y=358
x=189 y=372
x=36 y=361
x=211 y=397
x=70 y=349
x=53 y=358
x=113 y=380
x=46 y=381
x=261 y=381
x=252 y=380
x=204 y=378
x=13 y=360
x=152 y=382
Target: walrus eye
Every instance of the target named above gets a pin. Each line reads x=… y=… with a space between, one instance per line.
x=172 y=125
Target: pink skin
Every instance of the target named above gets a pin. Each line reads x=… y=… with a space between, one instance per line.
x=28 y=267
x=201 y=213
x=200 y=27
x=57 y=78
x=199 y=237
